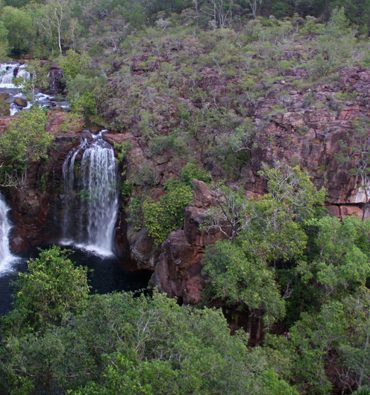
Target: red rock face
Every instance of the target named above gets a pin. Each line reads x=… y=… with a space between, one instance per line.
x=299 y=135
x=305 y=133
x=36 y=208
x=311 y=135
x=179 y=267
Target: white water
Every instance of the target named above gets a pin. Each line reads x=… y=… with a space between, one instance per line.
x=8 y=74
x=90 y=197
x=6 y=258
x=10 y=71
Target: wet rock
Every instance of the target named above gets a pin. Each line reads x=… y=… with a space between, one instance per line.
x=20 y=102
x=56 y=79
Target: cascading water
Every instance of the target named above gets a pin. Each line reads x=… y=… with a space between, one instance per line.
x=10 y=71
x=5 y=255
x=90 y=196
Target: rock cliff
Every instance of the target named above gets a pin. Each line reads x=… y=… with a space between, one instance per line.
x=307 y=129
x=308 y=133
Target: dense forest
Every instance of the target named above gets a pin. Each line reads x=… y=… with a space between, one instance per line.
x=221 y=98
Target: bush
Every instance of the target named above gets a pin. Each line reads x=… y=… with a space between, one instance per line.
x=191 y=171
x=73 y=64
x=166 y=215
x=49 y=292
x=335 y=46
x=24 y=141
x=240 y=280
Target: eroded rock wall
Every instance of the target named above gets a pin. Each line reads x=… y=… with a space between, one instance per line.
x=36 y=205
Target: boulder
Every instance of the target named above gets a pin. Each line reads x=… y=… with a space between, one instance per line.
x=20 y=102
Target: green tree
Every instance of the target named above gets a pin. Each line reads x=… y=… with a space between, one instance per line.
x=73 y=63
x=56 y=19
x=24 y=141
x=337 y=336
x=49 y=292
x=126 y=344
x=18 y=23
x=229 y=213
x=339 y=256
x=293 y=189
x=4 y=44
x=241 y=280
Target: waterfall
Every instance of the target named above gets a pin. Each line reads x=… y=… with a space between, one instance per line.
x=5 y=255
x=10 y=71
x=90 y=196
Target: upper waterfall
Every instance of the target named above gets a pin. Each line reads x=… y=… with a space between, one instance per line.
x=17 y=99
x=90 y=196
x=9 y=72
x=5 y=255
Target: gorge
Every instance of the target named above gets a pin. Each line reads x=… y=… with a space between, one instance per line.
x=84 y=211
x=82 y=188
x=184 y=197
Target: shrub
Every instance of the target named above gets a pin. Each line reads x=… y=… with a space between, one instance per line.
x=51 y=290
x=191 y=171
x=24 y=141
x=166 y=215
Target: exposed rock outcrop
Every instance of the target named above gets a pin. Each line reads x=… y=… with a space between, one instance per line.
x=304 y=132
x=178 y=270
x=36 y=206
x=309 y=133
x=57 y=84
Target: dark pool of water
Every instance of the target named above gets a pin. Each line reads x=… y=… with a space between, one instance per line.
x=105 y=276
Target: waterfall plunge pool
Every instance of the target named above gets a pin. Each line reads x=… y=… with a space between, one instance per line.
x=105 y=275
x=88 y=221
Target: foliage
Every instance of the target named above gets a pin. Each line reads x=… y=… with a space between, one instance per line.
x=126 y=344
x=187 y=78
x=4 y=44
x=335 y=44
x=135 y=215
x=24 y=141
x=191 y=171
x=228 y=215
x=341 y=327
x=242 y=281
x=292 y=188
x=340 y=256
x=18 y=24
x=73 y=63
x=49 y=292
x=122 y=149
x=166 y=215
